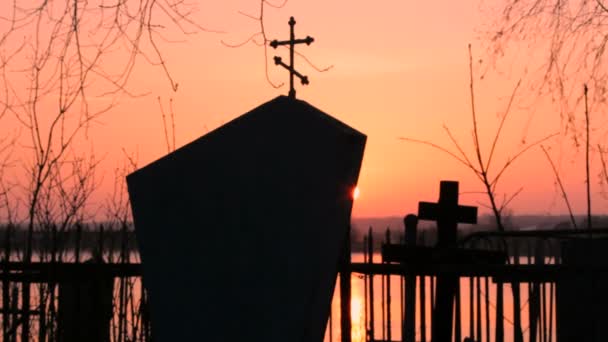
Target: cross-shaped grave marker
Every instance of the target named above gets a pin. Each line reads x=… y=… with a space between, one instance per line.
x=448 y=214
x=291 y=42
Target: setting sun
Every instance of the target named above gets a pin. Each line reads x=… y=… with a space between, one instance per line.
x=355 y=193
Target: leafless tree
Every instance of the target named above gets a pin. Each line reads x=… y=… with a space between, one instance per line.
x=59 y=49
x=484 y=166
x=7 y=207
x=567 y=38
x=168 y=127
x=63 y=63
x=117 y=207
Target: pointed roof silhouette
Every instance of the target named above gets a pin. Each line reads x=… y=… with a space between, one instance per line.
x=240 y=231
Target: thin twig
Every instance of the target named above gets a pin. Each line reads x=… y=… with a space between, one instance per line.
x=442 y=149
x=511 y=160
x=587 y=144
x=172 y=113
x=502 y=122
x=461 y=151
x=163 y=116
x=480 y=169
x=604 y=170
x=474 y=115
x=561 y=186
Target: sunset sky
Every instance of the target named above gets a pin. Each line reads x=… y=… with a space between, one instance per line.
x=400 y=69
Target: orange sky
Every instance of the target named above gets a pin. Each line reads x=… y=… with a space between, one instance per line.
x=400 y=70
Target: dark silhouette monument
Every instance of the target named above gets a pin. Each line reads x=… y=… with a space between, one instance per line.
x=241 y=231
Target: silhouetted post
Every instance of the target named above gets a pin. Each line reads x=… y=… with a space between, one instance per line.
x=402 y=297
x=14 y=308
x=423 y=299
x=500 y=322
x=6 y=317
x=382 y=302
x=388 y=294
x=423 y=308
x=370 y=252
x=477 y=336
x=517 y=332
x=534 y=299
x=365 y=286
x=122 y=292
x=345 y=290
x=85 y=307
x=471 y=308
x=42 y=313
x=448 y=214
x=409 y=322
x=487 y=302
x=25 y=306
x=291 y=42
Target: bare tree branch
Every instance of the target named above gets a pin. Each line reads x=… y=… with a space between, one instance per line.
x=568 y=37
x=501 y=125
x=442 y=149
x=63 y=64
x=261 y=33
x=481 y=169
x=561 y=185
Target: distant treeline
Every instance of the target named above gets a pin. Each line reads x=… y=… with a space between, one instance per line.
x=522 y=246
x=86 y=239
x=393 y=228
x=112 y=238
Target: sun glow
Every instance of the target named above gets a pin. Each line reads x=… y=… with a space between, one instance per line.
x=355 y=193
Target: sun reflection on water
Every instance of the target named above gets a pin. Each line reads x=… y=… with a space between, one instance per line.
x=357 y=319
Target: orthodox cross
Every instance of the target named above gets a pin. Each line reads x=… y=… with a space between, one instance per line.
x=291 y=42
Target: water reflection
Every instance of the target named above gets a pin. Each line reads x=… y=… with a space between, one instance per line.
x=475 y=297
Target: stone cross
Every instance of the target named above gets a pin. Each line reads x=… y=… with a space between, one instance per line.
x=291 y=42
x=448 y=214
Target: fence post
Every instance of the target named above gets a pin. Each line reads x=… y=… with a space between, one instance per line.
x=345 y=290
x=409 y=322
x=388 y=295
x=370 y=253
x=517 y=332
x=6 y=302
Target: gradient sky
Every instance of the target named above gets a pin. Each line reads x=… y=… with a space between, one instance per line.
x=400 y=69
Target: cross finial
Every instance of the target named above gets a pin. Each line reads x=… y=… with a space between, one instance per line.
x=291 y=42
